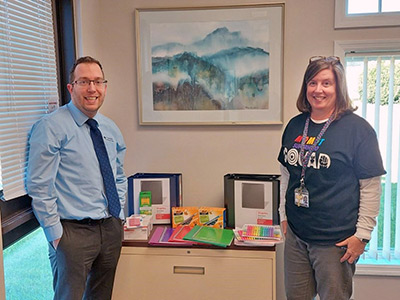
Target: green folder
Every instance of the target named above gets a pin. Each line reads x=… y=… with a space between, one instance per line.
x=209 y=235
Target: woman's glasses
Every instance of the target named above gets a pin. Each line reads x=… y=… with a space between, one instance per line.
x=325 y=58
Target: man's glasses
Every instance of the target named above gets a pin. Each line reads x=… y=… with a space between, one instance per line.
x=86 y=82
x=325 y=58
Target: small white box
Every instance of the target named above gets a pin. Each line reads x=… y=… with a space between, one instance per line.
x=140 y=232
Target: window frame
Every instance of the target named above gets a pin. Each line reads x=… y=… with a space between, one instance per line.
x=17 y=218
x=341 y=46
x=340 y=49
x=343 y=20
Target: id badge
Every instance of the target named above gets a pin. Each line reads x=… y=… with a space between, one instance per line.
x=301 y=197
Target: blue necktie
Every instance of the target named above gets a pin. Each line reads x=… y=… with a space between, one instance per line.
x=114 y=206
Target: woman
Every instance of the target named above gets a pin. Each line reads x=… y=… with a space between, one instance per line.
x=330 y=186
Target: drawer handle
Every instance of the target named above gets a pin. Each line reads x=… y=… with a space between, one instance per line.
x=189 y=270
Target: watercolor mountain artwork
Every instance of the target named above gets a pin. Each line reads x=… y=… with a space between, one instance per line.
x=223 y=70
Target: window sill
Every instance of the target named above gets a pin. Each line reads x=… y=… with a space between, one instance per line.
x=362 y=21
x=384 y=268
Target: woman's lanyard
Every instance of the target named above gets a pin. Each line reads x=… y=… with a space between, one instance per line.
x=301 y=195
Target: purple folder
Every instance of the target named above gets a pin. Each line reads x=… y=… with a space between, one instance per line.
x=162 y=234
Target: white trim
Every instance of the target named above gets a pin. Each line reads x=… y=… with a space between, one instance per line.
x=343 y=20
x=343 y=47
x=78 y=27
x=377 y=270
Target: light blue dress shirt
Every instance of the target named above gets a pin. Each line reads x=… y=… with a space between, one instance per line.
x=63 y=176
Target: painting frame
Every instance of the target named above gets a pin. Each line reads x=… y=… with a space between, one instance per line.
x=150 y=24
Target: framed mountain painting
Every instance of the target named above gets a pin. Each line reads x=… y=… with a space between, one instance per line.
x=210 y=65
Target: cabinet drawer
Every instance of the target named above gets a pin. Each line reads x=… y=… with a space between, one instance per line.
x=194 y=274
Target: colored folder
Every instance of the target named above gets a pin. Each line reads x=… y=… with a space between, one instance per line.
x=209 y=235
x=161 y=237
x=179 y=233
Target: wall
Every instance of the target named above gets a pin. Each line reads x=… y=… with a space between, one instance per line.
x=203 y=154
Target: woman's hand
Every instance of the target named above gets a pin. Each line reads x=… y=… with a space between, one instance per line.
x=284 y=227
x=354 y=249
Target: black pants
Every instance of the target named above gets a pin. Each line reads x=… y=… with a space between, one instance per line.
x=86 y=258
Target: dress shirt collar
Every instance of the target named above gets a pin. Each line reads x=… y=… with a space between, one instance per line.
x=79 y=117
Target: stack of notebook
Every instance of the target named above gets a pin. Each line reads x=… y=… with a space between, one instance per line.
x=187 y=236
x=162 y=237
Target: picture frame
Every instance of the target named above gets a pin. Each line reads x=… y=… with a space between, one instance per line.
x=210 y=65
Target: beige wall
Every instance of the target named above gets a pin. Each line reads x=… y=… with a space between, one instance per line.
x=203 y=154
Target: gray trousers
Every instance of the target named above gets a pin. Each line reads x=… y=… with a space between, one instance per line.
x=312 y=269
x=86 y=258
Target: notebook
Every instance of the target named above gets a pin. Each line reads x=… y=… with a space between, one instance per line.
x=215 y=236
x=161 y=237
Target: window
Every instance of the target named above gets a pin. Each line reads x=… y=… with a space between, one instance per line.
x=366 y=13
x=373 y=74
x=371 y=6
x=27 y=270
x=28 y=87
x=34 y=66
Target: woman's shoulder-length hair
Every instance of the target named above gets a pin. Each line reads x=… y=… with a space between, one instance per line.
x=343 y=101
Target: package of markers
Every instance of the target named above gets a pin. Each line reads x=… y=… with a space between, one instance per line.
x=262 y=231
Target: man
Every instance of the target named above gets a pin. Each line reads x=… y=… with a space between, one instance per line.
x=71 y=194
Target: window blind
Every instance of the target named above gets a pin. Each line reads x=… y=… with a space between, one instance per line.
x=28 y=84
x=375 y=82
